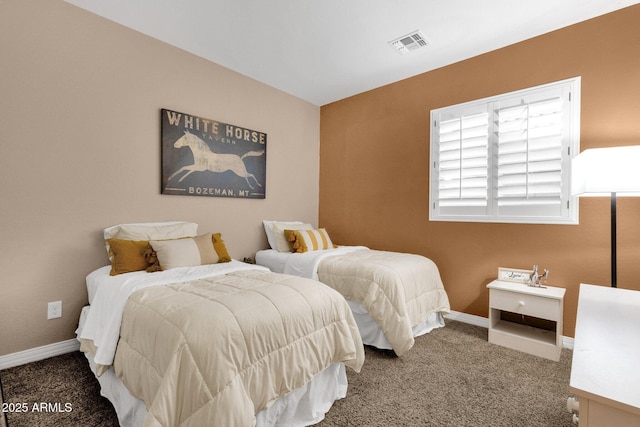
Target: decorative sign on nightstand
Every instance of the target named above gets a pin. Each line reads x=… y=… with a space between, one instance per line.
x=514 y=275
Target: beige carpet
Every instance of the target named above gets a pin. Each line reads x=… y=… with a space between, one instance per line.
x=452 y=377
x=60 y=391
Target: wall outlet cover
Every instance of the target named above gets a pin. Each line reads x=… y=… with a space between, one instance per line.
x=54 y=310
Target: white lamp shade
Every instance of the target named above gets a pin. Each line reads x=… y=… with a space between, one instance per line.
x=602 y=171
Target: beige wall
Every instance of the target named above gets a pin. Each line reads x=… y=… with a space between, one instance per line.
x=80 y=150
x=374 y=151
x=80 y=101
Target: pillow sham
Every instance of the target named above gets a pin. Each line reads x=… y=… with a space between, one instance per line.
x=150 y=231
x=129 y=255
x=309 y=240
x=190 y=251
x=269 y=232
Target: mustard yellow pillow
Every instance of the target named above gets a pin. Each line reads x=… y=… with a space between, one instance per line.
x=128 y=255
x=309 y=240
x=152 y=259
x=220 y=247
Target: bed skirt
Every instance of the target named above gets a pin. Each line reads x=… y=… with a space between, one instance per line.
x=372 y=334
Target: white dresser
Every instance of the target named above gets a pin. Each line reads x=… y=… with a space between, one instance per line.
x=605 y=371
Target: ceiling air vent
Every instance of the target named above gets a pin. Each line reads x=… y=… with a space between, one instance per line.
x=409 y=43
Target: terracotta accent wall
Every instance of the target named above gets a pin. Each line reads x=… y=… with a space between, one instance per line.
x=80 y=100
x=374 y=157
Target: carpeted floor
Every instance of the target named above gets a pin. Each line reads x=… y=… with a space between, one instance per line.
x=60 y=391
x=452 y=377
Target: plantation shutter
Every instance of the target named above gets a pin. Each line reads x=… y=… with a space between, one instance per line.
x=463 y=167
x=529 y=167
x=506 y=158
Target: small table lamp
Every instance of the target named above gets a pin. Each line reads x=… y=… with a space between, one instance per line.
x=607 y=172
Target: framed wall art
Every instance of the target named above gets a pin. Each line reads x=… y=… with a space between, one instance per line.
x=205 y=157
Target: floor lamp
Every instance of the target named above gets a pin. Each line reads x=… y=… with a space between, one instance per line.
x=610 y=172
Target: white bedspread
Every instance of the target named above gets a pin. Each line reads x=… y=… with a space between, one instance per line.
x=103 y=323
x=216 y=351
x=306 y=264
x=398 y=290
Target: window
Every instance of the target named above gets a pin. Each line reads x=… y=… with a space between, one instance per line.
x=507 y=158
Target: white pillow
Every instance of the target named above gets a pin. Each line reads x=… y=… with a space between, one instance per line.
x=269 y=231
x=282 y=245
x=150 y=231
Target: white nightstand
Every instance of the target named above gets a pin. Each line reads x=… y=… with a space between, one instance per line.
x=513 y=310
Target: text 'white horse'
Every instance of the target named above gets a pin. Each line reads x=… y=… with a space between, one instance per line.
x=206 y=160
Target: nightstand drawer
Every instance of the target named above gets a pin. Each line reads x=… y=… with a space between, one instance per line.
x=530 y=305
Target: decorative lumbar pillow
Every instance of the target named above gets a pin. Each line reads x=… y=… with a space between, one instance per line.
x=129 y=255
x=150 y=231
x=191 y=251
x=281 y=241
x=309 y=240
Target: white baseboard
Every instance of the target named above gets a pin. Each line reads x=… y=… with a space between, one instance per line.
x=567 y=342
x=39 y=353
x=472 y=319
x=68 y=346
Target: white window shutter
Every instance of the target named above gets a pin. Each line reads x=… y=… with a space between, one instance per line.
x=529 y=170
x=506 y=158
x=462 y=162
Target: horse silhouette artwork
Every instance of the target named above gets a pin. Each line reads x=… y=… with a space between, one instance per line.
x=206 y=160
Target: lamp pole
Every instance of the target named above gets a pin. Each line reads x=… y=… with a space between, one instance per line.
x=613 y=240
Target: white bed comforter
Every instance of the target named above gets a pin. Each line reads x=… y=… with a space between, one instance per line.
x=219 y=349
x=102 y=329
x=306 y=264
x=398 y=290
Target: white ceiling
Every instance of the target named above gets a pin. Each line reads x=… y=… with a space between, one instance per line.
x=326 y=50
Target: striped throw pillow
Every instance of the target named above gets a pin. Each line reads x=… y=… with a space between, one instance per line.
x=309 y=240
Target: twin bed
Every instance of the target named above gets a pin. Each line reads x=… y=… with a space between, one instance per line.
x=178 y=333
x=394 y=296
x=217 y=344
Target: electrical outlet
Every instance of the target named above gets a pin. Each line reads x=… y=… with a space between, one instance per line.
x=54 y=310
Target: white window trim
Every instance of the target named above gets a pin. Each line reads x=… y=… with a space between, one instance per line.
x=570 y=143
